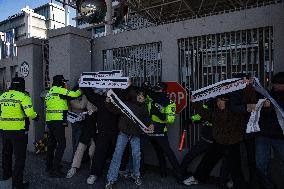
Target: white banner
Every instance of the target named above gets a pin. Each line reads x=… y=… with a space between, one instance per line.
x=104 y=82
x=73 y=117
x=278 y=109
x=218 y=88
x=118 y=103
x=253 y=125
x=112 y=73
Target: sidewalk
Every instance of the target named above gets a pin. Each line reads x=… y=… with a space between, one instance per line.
x=35 y=174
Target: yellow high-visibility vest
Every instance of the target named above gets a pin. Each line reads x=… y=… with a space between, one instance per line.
x=169 y=110
x=55 y=106
x=15 y=106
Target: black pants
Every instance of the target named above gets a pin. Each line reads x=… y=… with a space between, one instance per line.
x=56 y=145
x=14 y=141
x=162 y=148
x=105 y=145
x=214 y=154
x=250 y=149
x=199 y=148
x=88 y=131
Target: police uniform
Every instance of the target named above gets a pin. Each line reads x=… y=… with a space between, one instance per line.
x=56 y=114
x=16 y=108
x=162 y=112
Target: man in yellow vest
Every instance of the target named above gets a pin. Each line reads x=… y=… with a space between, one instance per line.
x=16 y=109
x=56 y=115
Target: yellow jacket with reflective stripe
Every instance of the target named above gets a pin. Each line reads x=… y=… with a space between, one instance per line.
x=169 y=110
x=15 y=107
x=55 y=106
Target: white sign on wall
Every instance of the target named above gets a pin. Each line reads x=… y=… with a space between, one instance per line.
x=24 y=69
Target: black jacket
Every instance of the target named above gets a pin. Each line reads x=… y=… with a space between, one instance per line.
x=125 y=124
x=268 y=122
x=106 y=120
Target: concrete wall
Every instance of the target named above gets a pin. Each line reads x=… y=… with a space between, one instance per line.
x=69 y=52
x=168 y=34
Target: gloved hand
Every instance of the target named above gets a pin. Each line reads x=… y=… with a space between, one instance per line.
x=155 y=111
x=36 y=118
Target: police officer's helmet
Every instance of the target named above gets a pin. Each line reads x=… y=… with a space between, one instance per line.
x=160 y=86
x=59 y=80
x=18 y=84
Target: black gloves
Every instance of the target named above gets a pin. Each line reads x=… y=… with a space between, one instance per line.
x=36 y=118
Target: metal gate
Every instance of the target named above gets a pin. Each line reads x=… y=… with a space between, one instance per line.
x=140 y=62
x=207 y=59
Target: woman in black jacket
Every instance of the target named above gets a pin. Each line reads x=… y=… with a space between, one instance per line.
x=131 y=132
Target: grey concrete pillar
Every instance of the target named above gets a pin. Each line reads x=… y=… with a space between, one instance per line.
x=30 y=51
x=69 y=52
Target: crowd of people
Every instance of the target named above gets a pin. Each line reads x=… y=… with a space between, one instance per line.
x=108 y=133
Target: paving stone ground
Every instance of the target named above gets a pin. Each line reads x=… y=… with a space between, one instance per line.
x=36 y=175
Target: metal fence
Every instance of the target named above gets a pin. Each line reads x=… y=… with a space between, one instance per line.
x=140 y=62
x=207 y=59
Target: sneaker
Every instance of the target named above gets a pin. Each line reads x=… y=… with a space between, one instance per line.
x=91 y=179
x=190 y=181
x=124 y=174
x=109 y=185
x=71 y=172
x=137 y=180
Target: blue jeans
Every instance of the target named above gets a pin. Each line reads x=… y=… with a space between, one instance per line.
x=263 y=154
x=117 y=155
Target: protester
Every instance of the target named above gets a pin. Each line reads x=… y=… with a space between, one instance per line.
x=130 y=132
x=227 y=138
x=87 y=137
x=271 y=134
x=107 y=131
x=77 y=106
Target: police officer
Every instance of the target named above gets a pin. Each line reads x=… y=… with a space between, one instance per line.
x=162 y=112
x=206 y=138
x=56 y=115
x=16 y=107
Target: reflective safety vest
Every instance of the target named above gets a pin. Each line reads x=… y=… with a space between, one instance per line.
x=197 y=117
x=169 y=110
x=15 y=108
x=55 y=105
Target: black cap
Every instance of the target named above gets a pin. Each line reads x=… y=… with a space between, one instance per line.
x=59 y=78
x=18 y=84
x=18 y=81
x=278 y=78
x=160 y=85
x=146 y=85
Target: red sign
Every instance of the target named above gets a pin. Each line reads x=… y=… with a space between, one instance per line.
x=178 y=94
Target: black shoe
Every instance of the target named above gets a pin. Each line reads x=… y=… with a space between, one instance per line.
x=57 y=174
x=24 y=185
